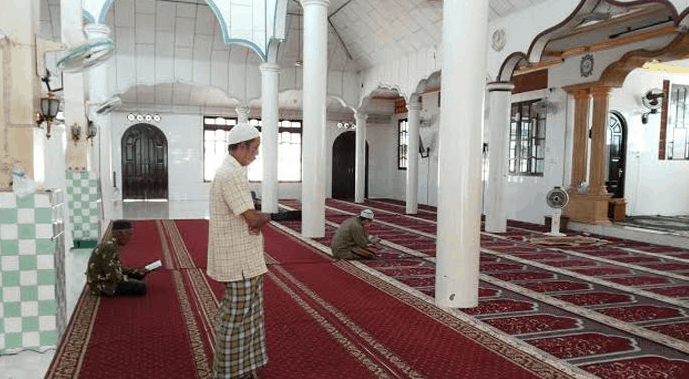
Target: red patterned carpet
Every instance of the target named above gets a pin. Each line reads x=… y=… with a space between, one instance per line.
x=612 y=307
x=324 y=319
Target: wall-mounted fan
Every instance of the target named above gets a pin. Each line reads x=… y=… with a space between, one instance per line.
x=557 y=198
x=653 y=100
x=107 y=106
x=85 y=53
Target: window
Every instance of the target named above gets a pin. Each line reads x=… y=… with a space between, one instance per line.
x=215 y=145
x=527 y=139
x=215 y=131
x=677 y=138
x=289 y=152
x=402 y=144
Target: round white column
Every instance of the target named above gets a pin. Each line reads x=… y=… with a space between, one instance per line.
x=73 y=84
x=499 y=129
x=101 y=157
x=360 y=161
x=412 y=194
x=269 y=140
x=242 y=114
x=314 y=93
x=459 y=154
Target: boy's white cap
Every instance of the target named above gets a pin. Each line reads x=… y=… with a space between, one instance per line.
x=367 y=213
x=242 y=132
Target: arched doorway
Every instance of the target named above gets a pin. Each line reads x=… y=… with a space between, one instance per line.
x=144 y=163
x=344 y=157
x=617 y=154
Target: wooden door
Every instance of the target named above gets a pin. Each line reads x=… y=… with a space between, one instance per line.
x=617 y=154
x=144 y=163
x=344 y=158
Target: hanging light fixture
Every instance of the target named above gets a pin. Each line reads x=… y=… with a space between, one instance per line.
x=50 y=105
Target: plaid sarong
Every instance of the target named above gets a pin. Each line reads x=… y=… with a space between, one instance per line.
x=241 y=337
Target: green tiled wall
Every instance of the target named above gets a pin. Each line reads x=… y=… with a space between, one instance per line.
x=82 y=203
x=28 y=302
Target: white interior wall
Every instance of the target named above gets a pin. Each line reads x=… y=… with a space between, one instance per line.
x=652 y=186
x=525 y=195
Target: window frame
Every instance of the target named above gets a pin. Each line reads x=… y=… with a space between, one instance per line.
x=674 y=120
x=402 y=148
x=534 y=142
x=213 y=126
x=258 y=123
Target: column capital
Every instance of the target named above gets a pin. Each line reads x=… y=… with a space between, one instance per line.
x=600 y=91
x=415 y=106
x=269 y=67
x=581 y=94
x=97 y=30
x=361 y=116
x=500 y=86
x=306 y=3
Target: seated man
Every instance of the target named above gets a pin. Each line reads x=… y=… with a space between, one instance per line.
x=105 y=274
x=351 y=240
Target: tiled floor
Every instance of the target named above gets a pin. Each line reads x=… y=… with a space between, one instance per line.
x=32 y=364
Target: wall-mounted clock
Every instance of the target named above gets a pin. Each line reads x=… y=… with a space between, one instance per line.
x=586 y=65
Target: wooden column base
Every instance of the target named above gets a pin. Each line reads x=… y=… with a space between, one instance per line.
x=590 y=209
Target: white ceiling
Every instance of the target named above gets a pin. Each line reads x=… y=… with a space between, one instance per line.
x=363 y=33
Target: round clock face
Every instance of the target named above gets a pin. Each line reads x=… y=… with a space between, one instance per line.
x=498 y=39
x=586 y=65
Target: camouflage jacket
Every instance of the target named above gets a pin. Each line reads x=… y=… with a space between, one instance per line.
x=105 y=272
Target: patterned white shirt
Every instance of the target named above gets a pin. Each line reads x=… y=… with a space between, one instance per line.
x=233 y=253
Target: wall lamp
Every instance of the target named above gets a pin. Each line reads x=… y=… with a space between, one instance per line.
x=50 y=105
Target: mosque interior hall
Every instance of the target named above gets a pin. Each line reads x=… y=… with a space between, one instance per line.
x=527 y=162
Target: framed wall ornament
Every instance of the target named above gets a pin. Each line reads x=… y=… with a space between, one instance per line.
x=586 y=66
x=498 y=39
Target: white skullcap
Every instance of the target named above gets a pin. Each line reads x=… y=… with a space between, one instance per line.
x=367 y=213
x=242 y=132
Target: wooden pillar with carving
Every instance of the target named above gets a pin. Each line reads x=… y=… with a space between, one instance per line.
x=590 y=204
x=582 y=101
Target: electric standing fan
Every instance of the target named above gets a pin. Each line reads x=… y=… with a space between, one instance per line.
x=556 y=198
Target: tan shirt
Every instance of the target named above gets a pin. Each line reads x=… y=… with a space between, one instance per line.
x=233 y=253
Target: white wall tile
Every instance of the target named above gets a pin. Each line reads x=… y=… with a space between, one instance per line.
x=31 y=339
x=46 y=323
x=44 y=231
x=13 y=325
x=8 y=231
x=29 y=308
x=25 y=216
x=8 y=200
x=46 y=292
x=27 y=247
x=28 y=278
x=10 y=294
x=9 y=263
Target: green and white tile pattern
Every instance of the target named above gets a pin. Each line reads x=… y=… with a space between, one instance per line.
x=28 y=304
x=82 y=202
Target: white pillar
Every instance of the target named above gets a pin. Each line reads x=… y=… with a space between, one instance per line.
x=242 y=114
x=360 y=161
x=314 y=93
x=73 y=84
x=269 y=140
x=459 y=153
x=498 y=138
x=412 y=194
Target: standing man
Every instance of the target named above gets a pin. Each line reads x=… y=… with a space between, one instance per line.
x=235 y=258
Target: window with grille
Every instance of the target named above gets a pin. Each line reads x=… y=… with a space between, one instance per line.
x=402 y=144
x=215 y=145
x=289 y=152
x=527 y=139
x=677 y=138
x=215 y=131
